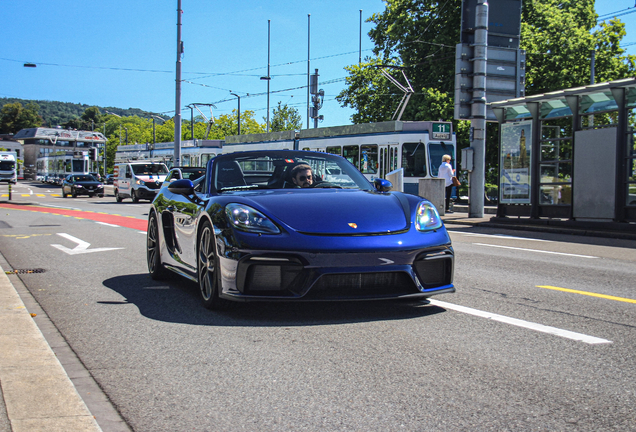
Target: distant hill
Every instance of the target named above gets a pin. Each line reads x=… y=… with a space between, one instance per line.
x=56 y=113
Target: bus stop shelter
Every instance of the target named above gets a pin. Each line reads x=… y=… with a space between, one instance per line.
x=569 y=155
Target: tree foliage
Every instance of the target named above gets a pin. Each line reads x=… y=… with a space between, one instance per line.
x=14 y=117
x=285 y=118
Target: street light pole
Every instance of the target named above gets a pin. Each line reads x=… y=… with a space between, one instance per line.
x=268 y=78
x=239 y=112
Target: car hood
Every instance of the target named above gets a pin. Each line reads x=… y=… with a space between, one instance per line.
x=334 y=211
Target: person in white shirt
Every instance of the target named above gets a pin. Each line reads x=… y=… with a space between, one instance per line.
x=447 y=172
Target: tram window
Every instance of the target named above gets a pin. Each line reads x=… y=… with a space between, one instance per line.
x=369 y=159
x=414 y=159
x=185 y=160
x=204 y=159
x=63 y=143
x=337 y=150
x=306 y=148
x=352 y=154
x=436 y=151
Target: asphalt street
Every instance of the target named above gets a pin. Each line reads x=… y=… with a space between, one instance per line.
x=538 y=336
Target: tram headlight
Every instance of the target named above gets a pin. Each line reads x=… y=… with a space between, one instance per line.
x=427 y=218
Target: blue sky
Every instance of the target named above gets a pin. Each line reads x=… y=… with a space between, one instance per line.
x=123 y=53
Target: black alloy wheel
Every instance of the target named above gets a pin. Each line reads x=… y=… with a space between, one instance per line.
x=153 y=252
x=207 y=268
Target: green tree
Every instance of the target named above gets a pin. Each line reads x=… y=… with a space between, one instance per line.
x=285 y=118
x=227 y=124
x=14 y=117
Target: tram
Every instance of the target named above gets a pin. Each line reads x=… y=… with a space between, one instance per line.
x=376 y=149
x=193 y=153
x=53 y=167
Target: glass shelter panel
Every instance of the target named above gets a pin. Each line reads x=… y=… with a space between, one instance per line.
x=514 y=162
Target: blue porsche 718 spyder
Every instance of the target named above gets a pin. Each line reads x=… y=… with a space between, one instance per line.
x=248 y=230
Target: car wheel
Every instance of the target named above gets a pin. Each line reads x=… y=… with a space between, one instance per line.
x=153 y=251
x=64 y=194
x=73 y=193
x=134 y=197
x=101 y=195
x=208 y=274
x=117 y=196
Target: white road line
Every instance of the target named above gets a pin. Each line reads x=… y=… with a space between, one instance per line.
x=521 y=323
x=107 y=224
x=535 y=250
x=501 y=236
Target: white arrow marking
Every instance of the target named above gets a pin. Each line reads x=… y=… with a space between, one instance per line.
x=81 y=248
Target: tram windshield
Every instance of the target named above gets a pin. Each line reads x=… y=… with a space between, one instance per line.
x=414 y=159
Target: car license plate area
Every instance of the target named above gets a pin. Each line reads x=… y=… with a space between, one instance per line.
x=362 y=285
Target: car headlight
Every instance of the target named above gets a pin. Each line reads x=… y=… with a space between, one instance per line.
x=248 y=219
x=99 y=186
x=140 y=182
x=427 y=218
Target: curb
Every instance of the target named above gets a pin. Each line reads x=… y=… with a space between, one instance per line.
x=37 y=392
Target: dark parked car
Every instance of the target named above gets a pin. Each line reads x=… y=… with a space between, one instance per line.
x=81 y=184
x=110 y=178
x=249 y=233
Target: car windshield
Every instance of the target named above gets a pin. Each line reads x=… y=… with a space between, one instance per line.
x=84 y=178
x=272 y=170
x=193 y=174
x=149 y=169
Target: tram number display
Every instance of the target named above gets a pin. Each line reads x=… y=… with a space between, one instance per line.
x=441 y=131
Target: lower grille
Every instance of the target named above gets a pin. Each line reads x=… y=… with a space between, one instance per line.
x=361 y=285
x=434 y=271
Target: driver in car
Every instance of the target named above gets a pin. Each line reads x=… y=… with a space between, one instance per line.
x=302 y=176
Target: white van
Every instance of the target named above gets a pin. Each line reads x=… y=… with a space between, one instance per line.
x=8 y=167
x=138 y=180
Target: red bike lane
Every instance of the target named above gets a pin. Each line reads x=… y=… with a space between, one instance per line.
x=123 y=221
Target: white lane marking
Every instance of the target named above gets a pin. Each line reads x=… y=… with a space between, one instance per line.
x=107 y=224
x=535 y=250
x=81 y=248
x=501 y=236
x=521 y=323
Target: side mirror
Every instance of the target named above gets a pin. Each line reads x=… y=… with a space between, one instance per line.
x=181 y=187
x=382 y=185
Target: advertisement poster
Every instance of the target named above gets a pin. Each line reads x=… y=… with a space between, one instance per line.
x=514 y=162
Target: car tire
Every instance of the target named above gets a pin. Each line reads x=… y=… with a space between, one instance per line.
x=117 y=196
x=64 y=194
x=134 y=197
x=208 y=270
x=100 y=196
x=153 y=250
x=73 y=193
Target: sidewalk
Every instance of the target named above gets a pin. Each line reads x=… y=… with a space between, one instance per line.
x=37 y=394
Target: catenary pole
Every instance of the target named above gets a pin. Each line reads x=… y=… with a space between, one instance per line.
x=177 y=115
x=308 y=72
